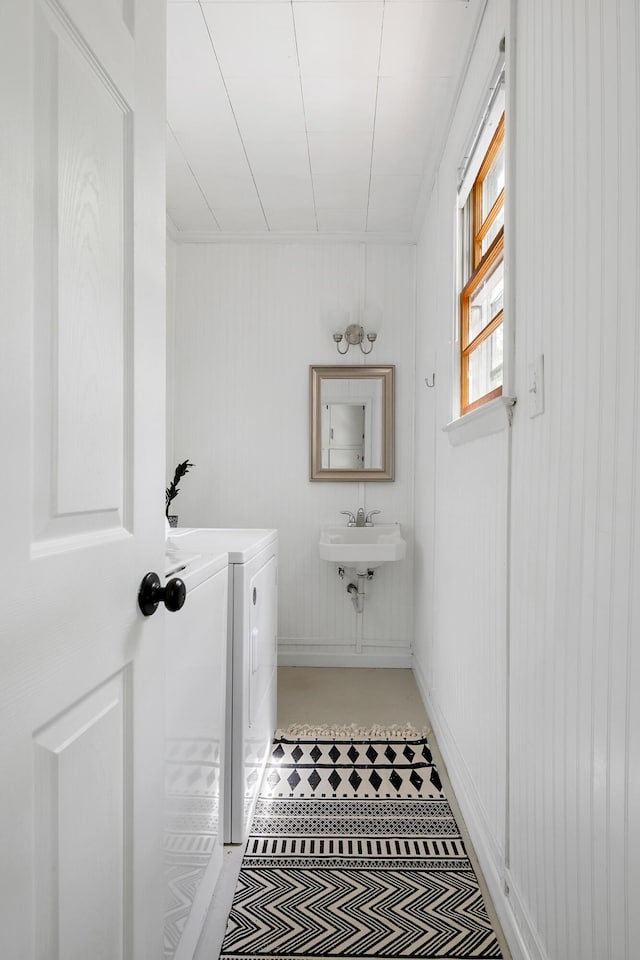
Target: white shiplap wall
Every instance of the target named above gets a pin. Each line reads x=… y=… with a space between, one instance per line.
x=460 y=510
x=559 y=819
x=575 y=725
x=250 y=319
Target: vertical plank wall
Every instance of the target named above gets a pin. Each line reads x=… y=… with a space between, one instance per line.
x=249 y=320
x=460 y=512
x=538 y=716
x=575 y=629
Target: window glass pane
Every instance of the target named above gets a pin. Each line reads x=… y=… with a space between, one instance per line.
x=493 y=183
x=493 y=231
x=486 y=301
x=485 y=366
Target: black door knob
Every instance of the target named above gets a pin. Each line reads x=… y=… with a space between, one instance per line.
x=151 y=593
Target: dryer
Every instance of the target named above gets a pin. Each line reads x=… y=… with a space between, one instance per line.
x=251 y=661
x=196 y=649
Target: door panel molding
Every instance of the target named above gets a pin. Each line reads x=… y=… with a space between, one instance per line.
x=82 y=809
x=83 y=324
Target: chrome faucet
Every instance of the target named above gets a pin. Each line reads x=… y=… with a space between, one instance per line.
x=359 y=519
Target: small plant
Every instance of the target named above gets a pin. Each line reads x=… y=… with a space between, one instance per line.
x=172 y=490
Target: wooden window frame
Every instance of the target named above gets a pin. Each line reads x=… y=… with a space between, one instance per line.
x=481 y=266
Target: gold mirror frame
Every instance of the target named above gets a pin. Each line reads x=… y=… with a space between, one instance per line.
x=367 y=474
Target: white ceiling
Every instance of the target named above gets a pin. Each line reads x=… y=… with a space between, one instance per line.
x=308 y=116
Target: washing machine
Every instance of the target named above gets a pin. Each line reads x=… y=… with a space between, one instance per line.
x=195 y=721
x=251 y=661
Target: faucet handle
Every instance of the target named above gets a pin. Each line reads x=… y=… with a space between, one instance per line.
x=351 y=522
x=369 y=522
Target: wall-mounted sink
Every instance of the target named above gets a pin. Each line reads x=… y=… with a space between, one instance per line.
x=362 y=547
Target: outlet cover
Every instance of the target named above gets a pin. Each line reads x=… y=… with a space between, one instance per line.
x=536 y=386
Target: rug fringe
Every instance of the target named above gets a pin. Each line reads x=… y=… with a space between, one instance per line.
x=306 y=731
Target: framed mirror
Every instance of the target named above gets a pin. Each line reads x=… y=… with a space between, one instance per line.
x=352 y=423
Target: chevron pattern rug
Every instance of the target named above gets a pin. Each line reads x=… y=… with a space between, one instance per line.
x=354 y=852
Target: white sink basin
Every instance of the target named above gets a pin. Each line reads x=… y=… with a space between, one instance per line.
x=362 y=547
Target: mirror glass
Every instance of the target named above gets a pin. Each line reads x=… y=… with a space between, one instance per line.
x=352 y=423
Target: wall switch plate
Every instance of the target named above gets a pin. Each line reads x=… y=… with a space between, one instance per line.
x=536 y=386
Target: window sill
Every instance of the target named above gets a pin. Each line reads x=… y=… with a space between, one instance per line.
x=490 y=418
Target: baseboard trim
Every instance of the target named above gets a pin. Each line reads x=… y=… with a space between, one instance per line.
x=483 y=843
x=522 y=918
x=297 y=658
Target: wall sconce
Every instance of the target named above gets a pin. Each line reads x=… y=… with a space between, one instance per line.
x=354 y=334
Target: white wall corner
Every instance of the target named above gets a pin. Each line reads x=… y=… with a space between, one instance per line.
x=172 y=231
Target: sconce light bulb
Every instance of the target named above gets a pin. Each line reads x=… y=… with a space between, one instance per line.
x=337 y=337
x=371 y=336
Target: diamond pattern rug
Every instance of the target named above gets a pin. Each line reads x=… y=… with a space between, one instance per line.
x=354 y=852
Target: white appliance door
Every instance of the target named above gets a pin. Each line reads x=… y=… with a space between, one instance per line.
x=196 y=700
x=82 y=303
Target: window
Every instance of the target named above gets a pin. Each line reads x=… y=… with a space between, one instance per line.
x=482 y=295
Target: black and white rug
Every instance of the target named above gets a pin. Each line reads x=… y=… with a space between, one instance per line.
x=354 y=852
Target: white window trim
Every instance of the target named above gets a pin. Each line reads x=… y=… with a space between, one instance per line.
x=477 y=146
x=491 y=417
x=482 y=140
x=497 y=414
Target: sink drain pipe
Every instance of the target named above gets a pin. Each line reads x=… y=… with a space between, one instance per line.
x=357 y=595
x=356 y=590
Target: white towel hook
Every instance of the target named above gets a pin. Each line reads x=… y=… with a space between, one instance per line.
x=433 y=381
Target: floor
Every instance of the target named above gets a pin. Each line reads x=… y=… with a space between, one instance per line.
x=362 y=696
x=317 y=695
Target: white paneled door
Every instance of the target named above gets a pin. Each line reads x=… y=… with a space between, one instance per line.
x=82 y=476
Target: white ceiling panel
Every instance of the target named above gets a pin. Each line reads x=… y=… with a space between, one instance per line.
x=186 y=204
x=336 y=154
x=294 y=220
x=402 y=105
x=342 y=220
x=394 y=222
x=238 y=220
x=285 y=192
x=438 y=121
x=185 y=216
x=195 y=89
x=226 y=192
x=285 y=155
x=406 y=32
x=339 y=39
x=342 y=191
x=253 y=39
x=394 y=193
x=336 y=104
x=308 y=116
x=398 y=153
x=422 y=37
x=210 y=156
x=269 y=106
